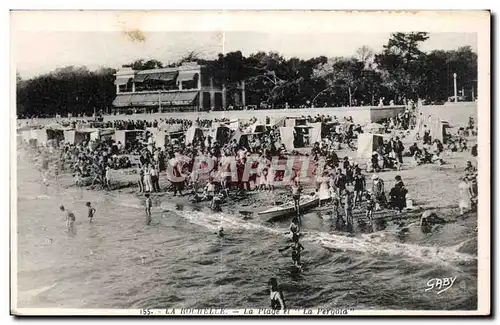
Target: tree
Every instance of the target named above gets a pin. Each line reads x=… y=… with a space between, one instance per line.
x=190 y=57
x=145 y=65
x=365 y=55
x=439 y=68
x=401 y=63
x=69 y=89
x=341 y=73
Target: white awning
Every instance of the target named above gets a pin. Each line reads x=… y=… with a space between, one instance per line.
x=187 y=75
x=122 y=80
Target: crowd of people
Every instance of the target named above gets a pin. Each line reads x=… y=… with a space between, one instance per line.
x=341 y=184
x=91 y=162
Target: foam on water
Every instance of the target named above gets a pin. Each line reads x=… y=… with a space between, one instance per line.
x=364 y=244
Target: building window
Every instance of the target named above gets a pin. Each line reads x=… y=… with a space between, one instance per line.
x=191 y=84
x=126 y=88
x=156 y=85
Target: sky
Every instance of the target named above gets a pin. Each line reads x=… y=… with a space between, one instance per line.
x=39 y=52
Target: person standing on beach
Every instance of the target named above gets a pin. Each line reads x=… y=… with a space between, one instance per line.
x=465 y=197
x=359 y=186
x=154 y=178
x=107 y=177
x=348 y=209
x=370 y=205
x=70 y=217
x=91 y=211
x=148 y=204
x=147 y=179
x=378 y=192
x=398 y=148
x=140 y=179
x=296 y=191
x=340 y=182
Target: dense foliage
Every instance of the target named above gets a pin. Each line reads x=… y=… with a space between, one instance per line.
x=400 y=71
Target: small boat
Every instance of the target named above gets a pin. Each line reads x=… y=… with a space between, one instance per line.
x=279 y=212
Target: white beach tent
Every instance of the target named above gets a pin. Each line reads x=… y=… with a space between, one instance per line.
x=75 y=136
x=374 y=128
x=160 y=138
x=368 y=143
x=26 y=135
x=234 y=124
x=432 y=123
x=277 y=121
x=41 y=136
x=220 y=133
x=436 y=127
x=172 y=128
x=192 y=133
x=287 y=136
x=256 y=128
x=315 y=132
x=290 y=122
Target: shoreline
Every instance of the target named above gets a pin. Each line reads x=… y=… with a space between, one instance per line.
x=254 y=201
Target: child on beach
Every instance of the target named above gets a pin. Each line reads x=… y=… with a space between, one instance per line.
x=348 y=208
x=70 y=217
x=91 y=211
x=148 y=204
x=335 y=202
x=370 y=205
x=296 y=191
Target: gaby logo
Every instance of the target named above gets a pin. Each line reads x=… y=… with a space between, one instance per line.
x=440 y=284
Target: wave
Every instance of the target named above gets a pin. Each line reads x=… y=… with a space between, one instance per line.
x=35 y=292
x=372 y=244
x=35 y=197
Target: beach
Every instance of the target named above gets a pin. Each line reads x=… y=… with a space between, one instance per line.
x=178 y=262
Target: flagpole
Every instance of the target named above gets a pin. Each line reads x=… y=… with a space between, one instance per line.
x=159 y=101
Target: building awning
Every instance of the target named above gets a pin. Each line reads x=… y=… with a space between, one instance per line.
x=122 y=100
x=122 y=80
x=166 y=99
x=143 y=99
x=157 y=76
x=162 y=76
x=140 y=77
x=154 y=99
x=187 y=75
x=184 y=98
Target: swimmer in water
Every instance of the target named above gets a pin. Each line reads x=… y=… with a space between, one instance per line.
x=220 y=231
x=294 y=229
x=70 y=217
x=91 y=211
x=296 y=249
x=276 y=296
x=294 y=226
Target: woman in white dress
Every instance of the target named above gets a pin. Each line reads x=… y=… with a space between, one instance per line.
x=147 y=179
x=323 y=193
x=464 y=202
